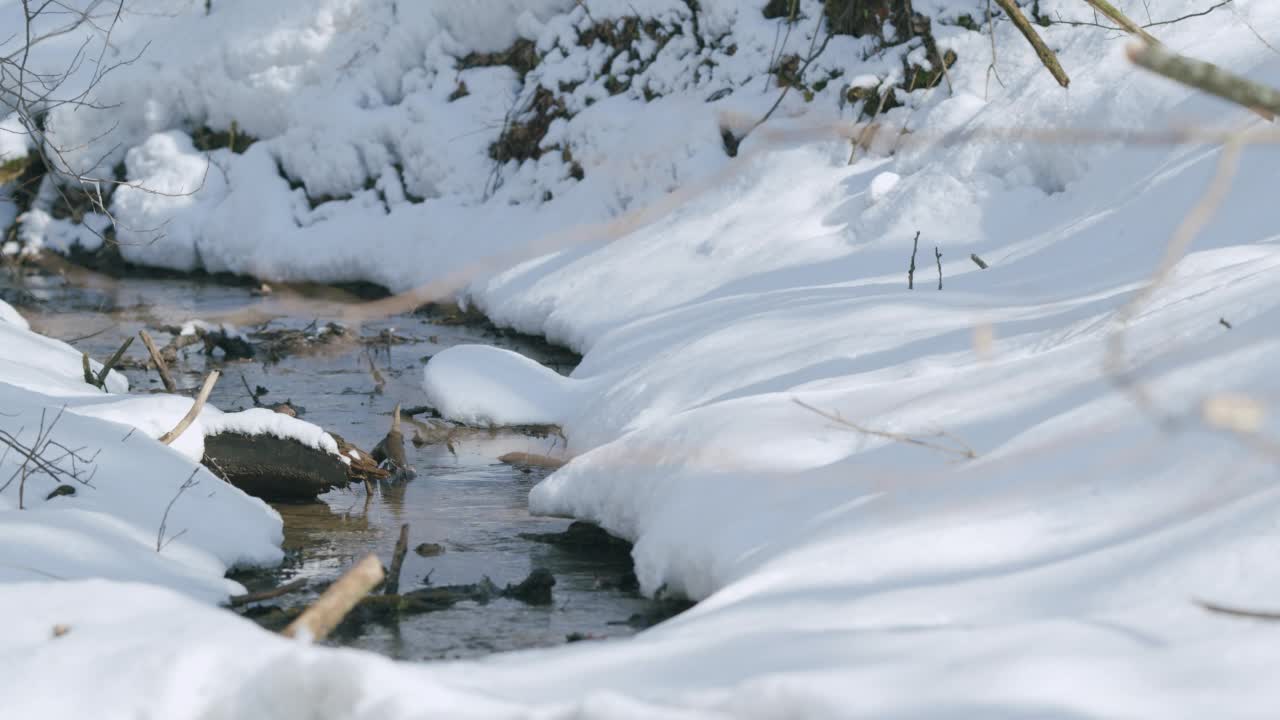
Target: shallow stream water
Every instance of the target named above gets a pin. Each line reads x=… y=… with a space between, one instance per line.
x=462 y=497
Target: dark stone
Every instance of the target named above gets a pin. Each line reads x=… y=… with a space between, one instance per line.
x=534 y=590
x=731 y=142
x=584 y=538
x=775 y=9
x=720 y=94
x=429 y=549
x=61 y=490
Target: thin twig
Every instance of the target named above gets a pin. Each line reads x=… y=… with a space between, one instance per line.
x=157 y=359
x=1122 y=20
x=911 y=269
x=275 y=592
x=960 y=448
x=1239 y=612
x=189 y=483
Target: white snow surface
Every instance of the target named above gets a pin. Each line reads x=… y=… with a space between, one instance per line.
x=483 y=385
x=863 y=568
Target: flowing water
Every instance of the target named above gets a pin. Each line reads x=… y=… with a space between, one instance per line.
x=462 y=498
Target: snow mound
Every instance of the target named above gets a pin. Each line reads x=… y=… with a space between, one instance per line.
x=482 y=385
x=12 y=316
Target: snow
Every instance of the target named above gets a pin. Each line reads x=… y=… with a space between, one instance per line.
x=483 y=385
x=13 y=317
x=261 y=421
x=129 y=485
x=857 y=563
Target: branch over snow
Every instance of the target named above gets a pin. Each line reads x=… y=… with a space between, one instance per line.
x=1207 y=77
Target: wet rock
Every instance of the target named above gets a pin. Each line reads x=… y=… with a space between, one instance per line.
x=61 y=490
x=429 y=549
x=533 y=590
x=584 y=538
x=662 y=608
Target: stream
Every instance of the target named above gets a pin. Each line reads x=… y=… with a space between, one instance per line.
x=462 y=499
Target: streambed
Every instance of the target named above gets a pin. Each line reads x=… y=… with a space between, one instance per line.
x=463 y=500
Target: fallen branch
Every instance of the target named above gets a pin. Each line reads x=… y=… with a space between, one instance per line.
x=1207 y=77
x=937 y=255
x=196 y=407
x=392 y=586
x=275 y=592
x=162 y=367
x=1047 y=56
x=1122 y=20
x=317 y=621
x=978 y=261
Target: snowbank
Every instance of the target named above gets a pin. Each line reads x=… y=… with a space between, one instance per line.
x=126 y=485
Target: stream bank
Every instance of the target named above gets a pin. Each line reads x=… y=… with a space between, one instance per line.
x=466 y=510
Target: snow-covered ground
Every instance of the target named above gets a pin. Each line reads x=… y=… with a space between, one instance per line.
x=854 y=564
x=124 y=482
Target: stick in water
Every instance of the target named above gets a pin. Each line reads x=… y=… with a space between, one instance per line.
x=275 y=592
x=397 y=559
x=106 y=369
x=333 y=605
x=190 y=417
x=156 y=359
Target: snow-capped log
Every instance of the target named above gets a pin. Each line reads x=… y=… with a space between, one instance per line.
x=274 y=468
